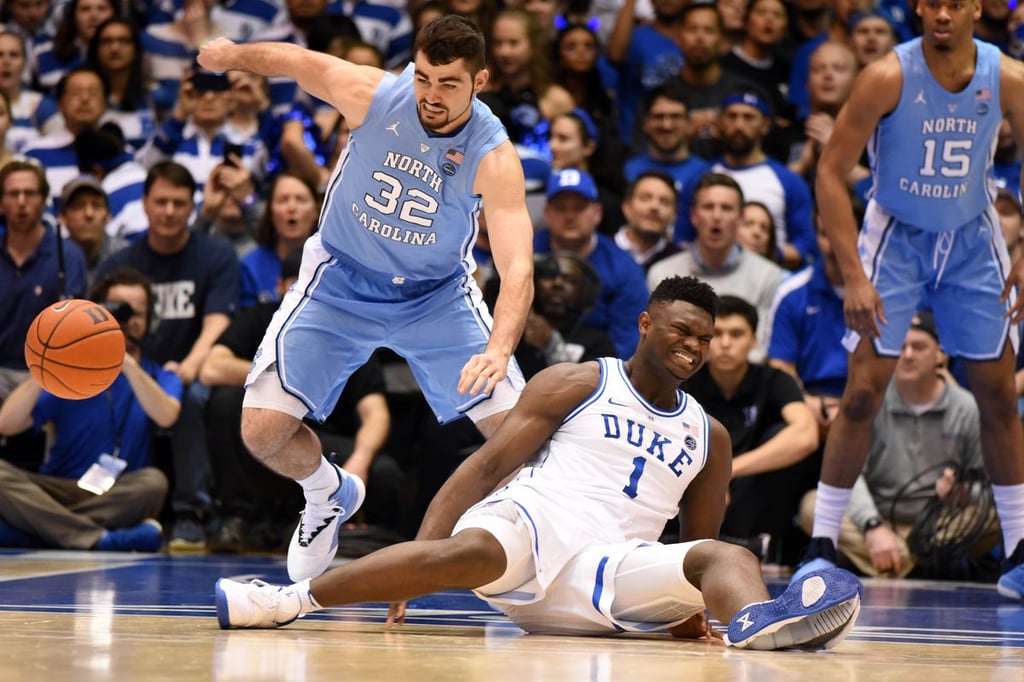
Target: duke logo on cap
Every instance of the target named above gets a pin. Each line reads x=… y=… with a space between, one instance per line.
x=572 y=180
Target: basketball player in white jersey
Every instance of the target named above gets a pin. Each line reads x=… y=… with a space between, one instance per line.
x=391 y=262
x=609 y=450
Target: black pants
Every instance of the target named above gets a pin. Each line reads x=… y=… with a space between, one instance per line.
x=246 y=488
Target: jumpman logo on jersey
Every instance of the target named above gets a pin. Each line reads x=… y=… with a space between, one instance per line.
x=394 y=128
x=917 y=100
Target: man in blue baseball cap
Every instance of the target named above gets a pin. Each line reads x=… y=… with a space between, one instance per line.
x=572 y=213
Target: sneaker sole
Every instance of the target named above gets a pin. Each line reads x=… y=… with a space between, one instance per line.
x=822 y=630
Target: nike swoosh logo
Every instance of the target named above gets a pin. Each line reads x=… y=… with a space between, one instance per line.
x=61 y=307
x=611 y=401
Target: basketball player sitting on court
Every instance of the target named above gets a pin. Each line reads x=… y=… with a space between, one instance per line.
x=608 y=449
x=65 y=505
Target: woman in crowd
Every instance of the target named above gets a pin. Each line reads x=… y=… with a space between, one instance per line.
x=71 y=41
x=32 y=115
x=116 y=52
x=290 y=218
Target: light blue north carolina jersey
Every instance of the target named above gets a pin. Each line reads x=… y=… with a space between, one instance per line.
x=400 y=204
x=930 y=156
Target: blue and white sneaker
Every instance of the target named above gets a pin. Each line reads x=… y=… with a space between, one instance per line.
x=1011 y=582
x=815 y=612
x=315 y=540
x=820 y=554
x=255 y=604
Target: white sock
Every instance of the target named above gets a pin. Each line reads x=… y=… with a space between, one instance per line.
x=829 y=508
x=1010 y=505
x=307 y=604
x=322 y=483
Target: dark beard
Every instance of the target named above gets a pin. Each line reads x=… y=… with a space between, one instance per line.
x=740 y=146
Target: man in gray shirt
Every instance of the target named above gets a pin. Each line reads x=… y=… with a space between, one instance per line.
x=926 y=430
x=718 y=259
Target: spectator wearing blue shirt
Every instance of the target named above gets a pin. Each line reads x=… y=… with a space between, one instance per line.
x=82 y=100
x=31 y=113
x=196 y=279
x=50 y=507
x=289 y=220
x=116 y=52
x=78 y=24
x=666 y=130
x=745 y=120
x=195 y=136
x=807 y=330
x=33 y=271
x=102 y=154
x=572 y=214
x=646 y=54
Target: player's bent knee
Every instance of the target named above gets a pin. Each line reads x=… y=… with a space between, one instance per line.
x=473 y=556
x=264 y=431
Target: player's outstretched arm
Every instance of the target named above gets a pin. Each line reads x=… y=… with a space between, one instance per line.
x=547 y=399
x=500 y=182
x=875 y=93
x=346 y=86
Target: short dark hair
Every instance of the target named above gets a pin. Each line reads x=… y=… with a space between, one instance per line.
x=671 y=90
x=657 y=175
x=698 y=5
x=125 y=275
x=713 y=179
x=449 y=38
x=689 y=289
x=734 y=305
x=62 y=84
x=171 y=171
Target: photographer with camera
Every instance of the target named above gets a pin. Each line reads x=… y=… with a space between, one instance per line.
x=97 y=488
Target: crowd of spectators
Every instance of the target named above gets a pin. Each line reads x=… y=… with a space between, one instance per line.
x=658 y=138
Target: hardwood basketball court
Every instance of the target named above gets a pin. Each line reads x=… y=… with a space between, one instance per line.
x=92 y=616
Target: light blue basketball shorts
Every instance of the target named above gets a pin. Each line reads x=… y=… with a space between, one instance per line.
x=334 y=317
x=959 y=275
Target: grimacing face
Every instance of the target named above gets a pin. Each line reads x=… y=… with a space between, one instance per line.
x=444 y=93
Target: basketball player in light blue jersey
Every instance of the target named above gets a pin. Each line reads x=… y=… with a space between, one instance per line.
x=606 y=453
x=929 y=113
x=391 y=264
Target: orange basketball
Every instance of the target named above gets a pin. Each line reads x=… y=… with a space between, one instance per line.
x=74 y=349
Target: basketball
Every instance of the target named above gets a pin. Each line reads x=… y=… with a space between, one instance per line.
x=74 y=349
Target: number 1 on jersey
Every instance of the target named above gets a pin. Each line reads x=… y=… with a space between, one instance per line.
x=634 y=478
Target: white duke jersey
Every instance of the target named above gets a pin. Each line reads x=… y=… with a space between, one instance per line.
x=400 y=204
x=930 y=156
x=614 y=471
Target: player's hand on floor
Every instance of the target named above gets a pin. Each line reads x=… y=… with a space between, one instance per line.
x=396 y=614
x=696 y=627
